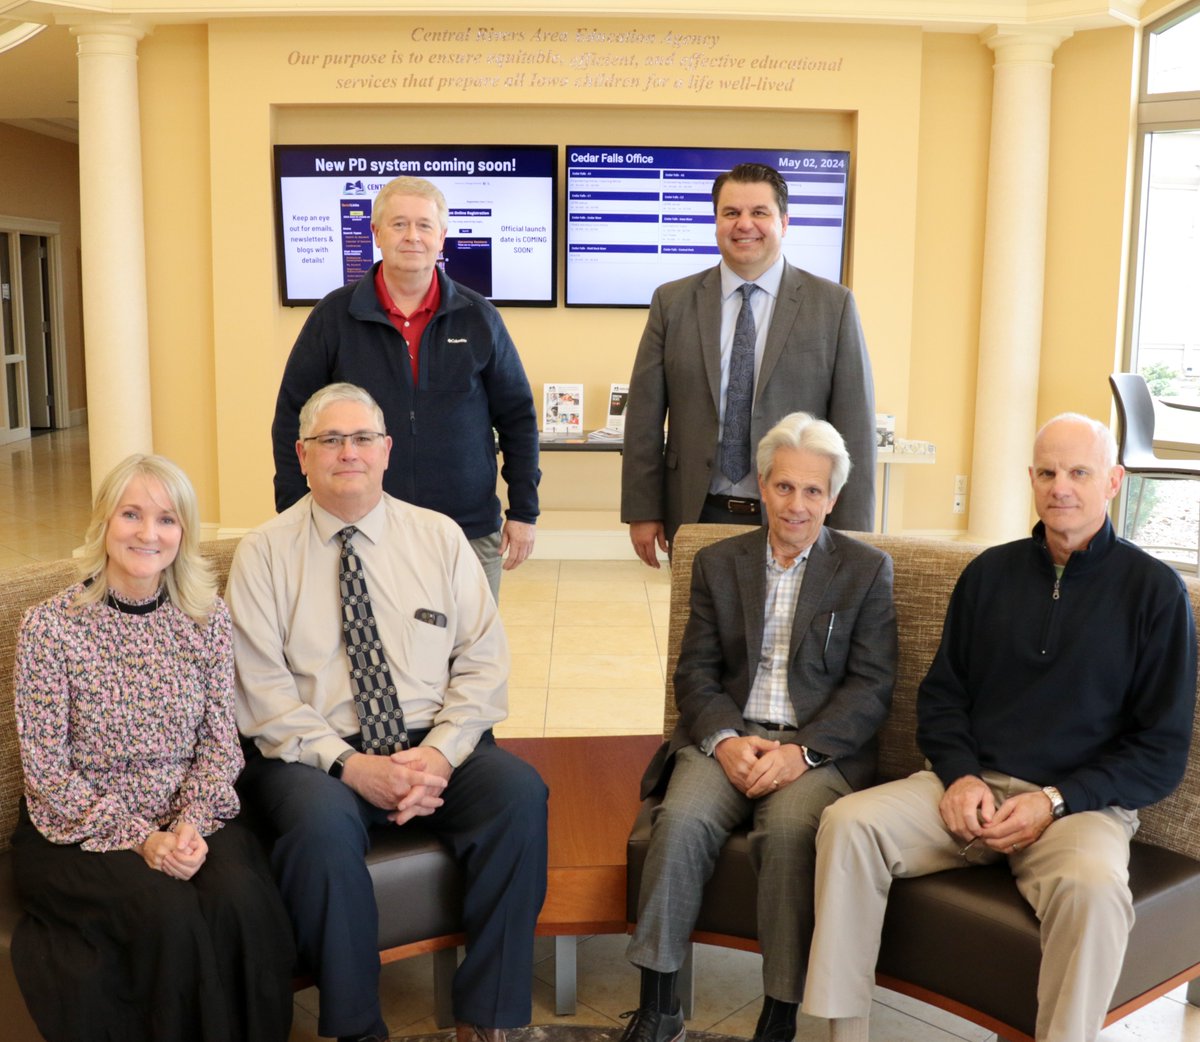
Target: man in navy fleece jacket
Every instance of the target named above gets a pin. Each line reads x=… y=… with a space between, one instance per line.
x=1059 y=702
x=437 y=358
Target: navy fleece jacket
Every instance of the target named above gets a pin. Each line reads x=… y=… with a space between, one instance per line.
x=470 y=380
x=1087 y=682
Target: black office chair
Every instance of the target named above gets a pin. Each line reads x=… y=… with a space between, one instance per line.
x=1136 y=454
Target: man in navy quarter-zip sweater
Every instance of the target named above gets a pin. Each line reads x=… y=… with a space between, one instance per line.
x=1059 y=702
x=438 y=359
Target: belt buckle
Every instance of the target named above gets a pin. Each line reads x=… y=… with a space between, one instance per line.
x=741 y=506
x=768 y=725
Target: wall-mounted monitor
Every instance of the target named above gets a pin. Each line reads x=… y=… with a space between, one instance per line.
x=639 y=216
x=501 y=239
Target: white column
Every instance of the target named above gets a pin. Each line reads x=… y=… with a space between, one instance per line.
x=116 y=341
x=1014 y=260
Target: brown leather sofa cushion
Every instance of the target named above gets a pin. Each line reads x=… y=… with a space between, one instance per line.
x=968 y=935
x=418 y=887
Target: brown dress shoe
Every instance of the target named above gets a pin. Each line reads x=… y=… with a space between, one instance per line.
x=475 y=1033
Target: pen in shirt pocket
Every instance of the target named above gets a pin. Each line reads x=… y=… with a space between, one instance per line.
x=829 y=632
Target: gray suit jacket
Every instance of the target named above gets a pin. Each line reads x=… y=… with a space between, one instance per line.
x=840 y=677
x=815 y=360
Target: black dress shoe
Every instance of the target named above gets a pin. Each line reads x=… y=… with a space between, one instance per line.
x=778 y=1035
x=649 y=1025
x=464 y=1032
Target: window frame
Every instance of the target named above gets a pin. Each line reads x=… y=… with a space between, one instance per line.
x=1156 y=113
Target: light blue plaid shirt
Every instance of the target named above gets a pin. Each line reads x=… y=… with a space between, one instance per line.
x=769 y=699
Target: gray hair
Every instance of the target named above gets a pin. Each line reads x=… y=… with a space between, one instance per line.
x=328 y=395
x=411 y=186
x=799 y=430
x=1108 y=443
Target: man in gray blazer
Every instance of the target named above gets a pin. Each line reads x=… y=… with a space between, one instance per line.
x=808 y=353
x=785 y=675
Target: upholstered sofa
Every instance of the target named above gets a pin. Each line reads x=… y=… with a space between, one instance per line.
x=963 y=940
x=402 y=860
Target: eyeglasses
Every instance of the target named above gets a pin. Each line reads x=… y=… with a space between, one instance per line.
x=359 y=439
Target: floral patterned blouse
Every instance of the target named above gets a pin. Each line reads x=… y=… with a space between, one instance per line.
x=125 y=721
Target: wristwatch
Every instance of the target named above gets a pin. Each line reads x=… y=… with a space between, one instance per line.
x=1058 y=806
x=338 y=765
x=812 y=758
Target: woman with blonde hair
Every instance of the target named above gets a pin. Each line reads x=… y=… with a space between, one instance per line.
x=150 y=911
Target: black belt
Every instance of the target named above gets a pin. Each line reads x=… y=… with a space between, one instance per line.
x=734 y=504
x=768 y=726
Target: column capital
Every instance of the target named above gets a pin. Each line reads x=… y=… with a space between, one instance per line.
x=1025 y=45
x=108 y=33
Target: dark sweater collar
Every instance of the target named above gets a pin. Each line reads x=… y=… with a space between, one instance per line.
x=1092 y=556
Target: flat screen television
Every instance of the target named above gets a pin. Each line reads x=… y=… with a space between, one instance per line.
x=502 y=235
x=639 y=216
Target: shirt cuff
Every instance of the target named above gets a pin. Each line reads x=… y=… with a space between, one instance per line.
x=709 y=745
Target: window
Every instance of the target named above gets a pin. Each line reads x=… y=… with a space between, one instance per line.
x=1171 y=49
x=1163 y=331
x=1168 y=307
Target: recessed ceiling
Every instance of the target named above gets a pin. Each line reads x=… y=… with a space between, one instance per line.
x=39 y=81
x=14 y=33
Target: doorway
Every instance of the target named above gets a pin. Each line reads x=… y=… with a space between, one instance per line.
x=32 y=384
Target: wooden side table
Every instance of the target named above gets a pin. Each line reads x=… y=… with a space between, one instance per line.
x=593 y=784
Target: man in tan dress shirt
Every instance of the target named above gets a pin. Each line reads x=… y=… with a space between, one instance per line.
x=433 y=614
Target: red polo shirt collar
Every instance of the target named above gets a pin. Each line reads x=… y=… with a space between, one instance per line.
x=411 y=327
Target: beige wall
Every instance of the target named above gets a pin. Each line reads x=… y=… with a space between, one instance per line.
x=956 y=98
x=914 y=109
x=39 y=180
x=1091 y=120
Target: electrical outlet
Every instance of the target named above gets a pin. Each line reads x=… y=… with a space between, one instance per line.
x=960 y=484
x=960 y=504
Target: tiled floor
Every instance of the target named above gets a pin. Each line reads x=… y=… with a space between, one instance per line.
x=45 y=497
x=588 y=641
x=728 y=999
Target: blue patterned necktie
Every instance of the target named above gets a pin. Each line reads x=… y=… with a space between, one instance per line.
x=375 y=700
x=739 y=394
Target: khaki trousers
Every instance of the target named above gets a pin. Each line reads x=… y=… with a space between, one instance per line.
x=487 y=550
x=1075 y=877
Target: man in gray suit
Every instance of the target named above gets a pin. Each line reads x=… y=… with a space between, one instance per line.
x=785 y=675
x=804 y=349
